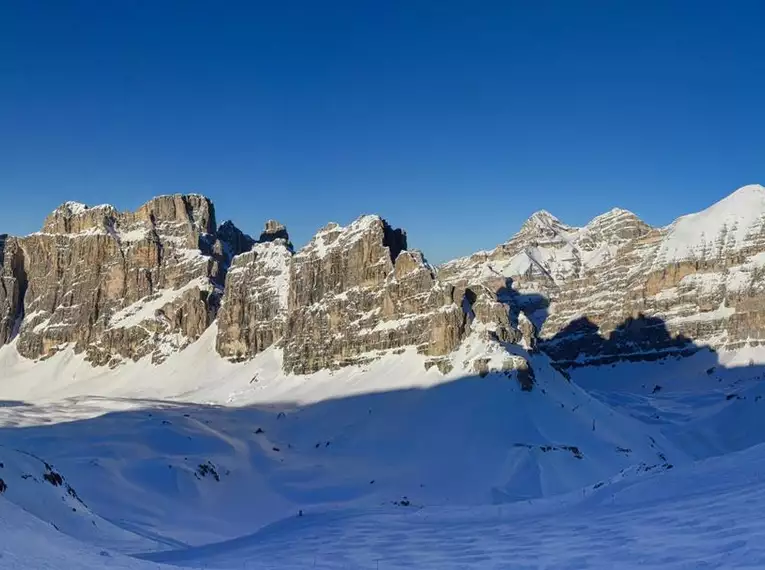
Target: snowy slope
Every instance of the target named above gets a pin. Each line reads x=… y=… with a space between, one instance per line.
x=726 y=226
x=203 y=463
x=28 y=543
x=139 y=436
x=706 y=515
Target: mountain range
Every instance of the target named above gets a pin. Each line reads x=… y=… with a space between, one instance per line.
x=119 y=286
x=176 y=392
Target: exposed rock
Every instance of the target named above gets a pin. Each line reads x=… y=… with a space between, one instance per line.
x=126 y=285
x=618 y=288
x=12 y=287
x=357 y=289
x=116 y=284
x=273 y=231
x=526 y=376
x=444 y=365
x=254 y=310
x=528 y=332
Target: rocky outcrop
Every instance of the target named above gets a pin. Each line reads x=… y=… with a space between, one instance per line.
x=117 y=285
x=126 y=285
x=618 y=288
x=254 y=310
x=355 y=290
x=12 y=287
x=351 y=294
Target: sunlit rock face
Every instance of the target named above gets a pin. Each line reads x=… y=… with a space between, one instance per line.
x=116 y=284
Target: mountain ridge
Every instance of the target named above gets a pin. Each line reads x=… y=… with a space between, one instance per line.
x=126 y=285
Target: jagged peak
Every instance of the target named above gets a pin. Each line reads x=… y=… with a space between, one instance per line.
x=179 y=195
x=196 y=209
x=72 y=208
x=616 y=213
x=544 y=223
x=540 y=219
x=334 y=235
x=274 y=230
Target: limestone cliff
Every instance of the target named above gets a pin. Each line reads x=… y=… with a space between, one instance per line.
x=116 y=285
x=357 y=289
x=124 y=285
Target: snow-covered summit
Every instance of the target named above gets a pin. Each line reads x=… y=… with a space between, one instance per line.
x=73 y=207
x=543 y=220
x=735 y=222
x=546 y=252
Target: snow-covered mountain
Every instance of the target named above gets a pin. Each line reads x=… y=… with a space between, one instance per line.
x=119 y=286
x=618 y=288
x=175 y=392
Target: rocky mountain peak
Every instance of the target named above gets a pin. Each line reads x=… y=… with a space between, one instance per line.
x=75 y=218
x=370 y=231
x=235 y=238
x=122 y=285
x=544 y=223
x=192 y=210
x=274 y=230
x=117 y=284
x=617 y=279
x=615 y=227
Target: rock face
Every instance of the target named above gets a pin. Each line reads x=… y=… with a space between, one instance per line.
x=349 y=294
x=116 y=285
x=12 y=287
x=357 y=289
x=618 y=288
x=253 y=314
x=124 y=285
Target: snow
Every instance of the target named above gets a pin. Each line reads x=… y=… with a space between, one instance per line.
x=724 y=226
x=145 y=309
x=703 y=516
x=344 y=236
x=392 y=465
x=721 y=312
x=546 y=245
x=28 y=543
x=135 y=234
x=75 y=208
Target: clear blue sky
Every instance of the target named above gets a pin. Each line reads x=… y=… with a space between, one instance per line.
x=454 y=120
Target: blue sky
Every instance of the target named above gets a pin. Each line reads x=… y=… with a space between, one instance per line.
x=454 y=120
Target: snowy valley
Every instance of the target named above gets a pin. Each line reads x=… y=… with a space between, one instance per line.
x=176 y=393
